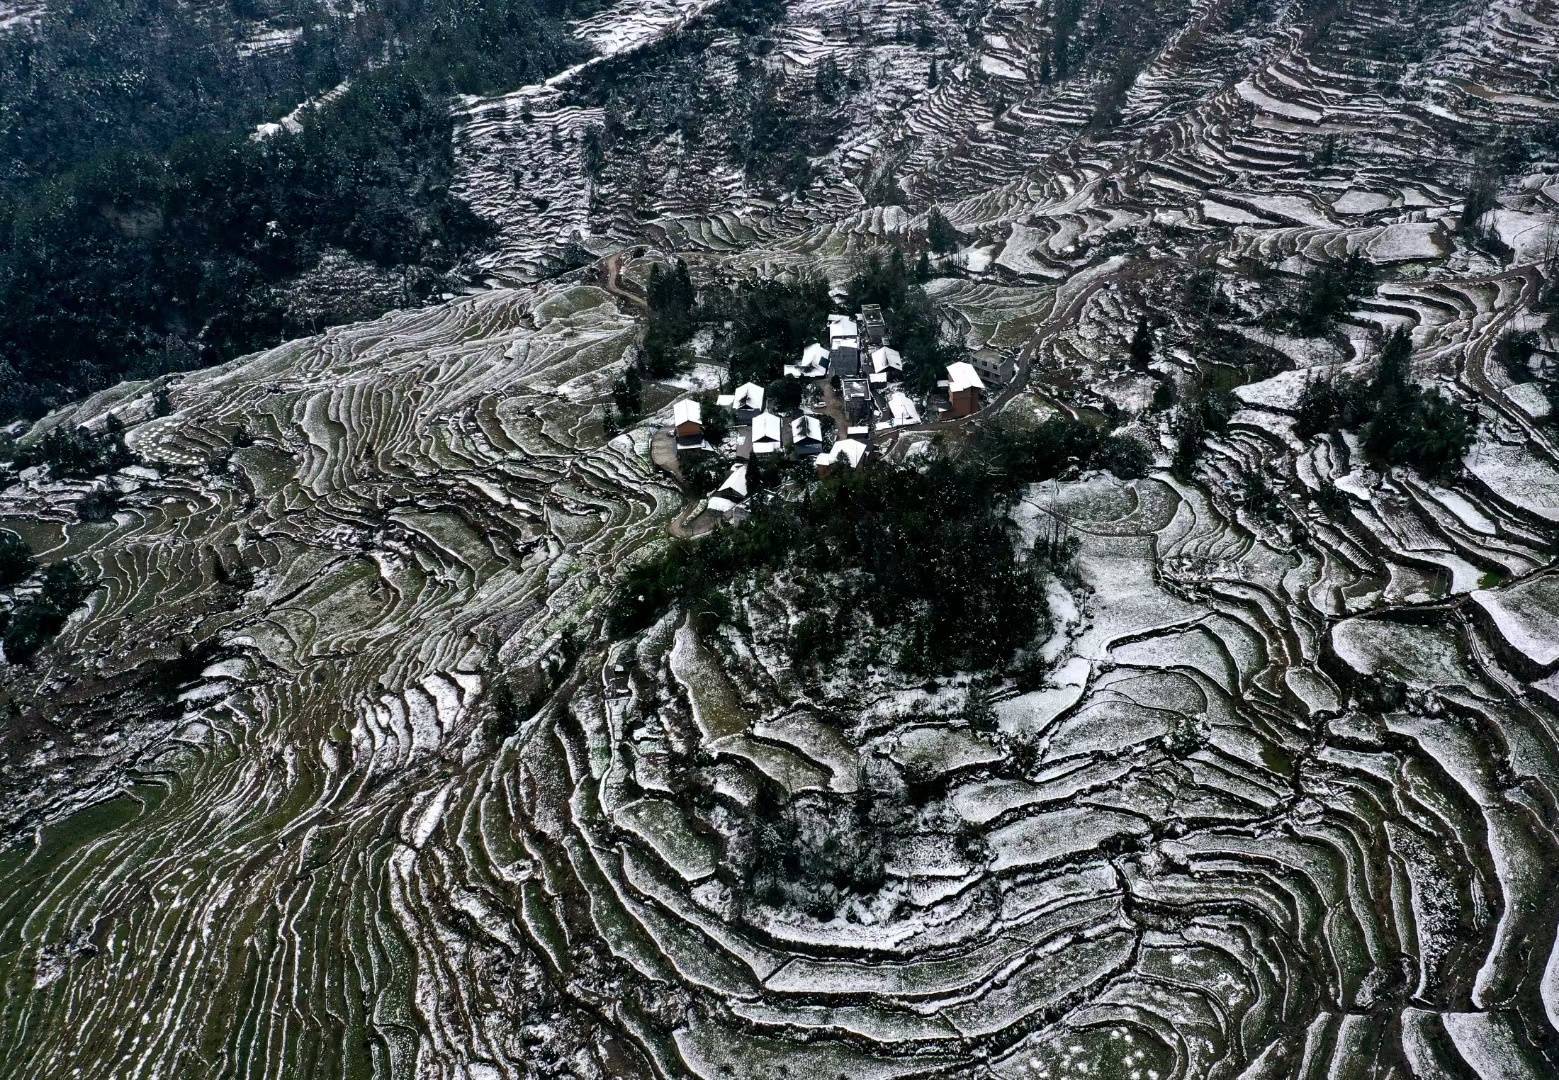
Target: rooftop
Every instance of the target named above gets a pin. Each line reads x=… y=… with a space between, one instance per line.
x=687 y=411
x=962 y=376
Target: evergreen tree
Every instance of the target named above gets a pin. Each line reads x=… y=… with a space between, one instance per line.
x=940 y=233
x=1141 y=345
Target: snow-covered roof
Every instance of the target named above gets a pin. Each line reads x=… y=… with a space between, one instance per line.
x=814 y=363
x=962 y=376
x=886 y=359
x=849 y=451
x=725 y=400
x=841 y=326
x=686 y=411
x=733 y=491
x=902 y=409
x=806 y=427
x=766 y=429
x=748 y=396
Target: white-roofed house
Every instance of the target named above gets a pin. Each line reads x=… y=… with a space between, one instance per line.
x=844 y=452
x=842 y=329
x=767 y=433
x=747 y=401
x=806 y=435
x=887 y=365
x=687 y=422
x=729 y=498
x=814 y=363
x=964 y=389
x=901 y=410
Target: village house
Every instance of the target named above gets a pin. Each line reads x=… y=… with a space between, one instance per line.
x=964 y=390
x=845 y=452
x=887 y=366
x=842 y=331
x=814 y=363
x=730 y=498
x=746 y=402
x=687 y=423
x=844 y=361
x=858 y=404
x=901 y=410
x=806 y=435
x=995 y=368
x=767 y=434
x=844 y=347
x=872 y=328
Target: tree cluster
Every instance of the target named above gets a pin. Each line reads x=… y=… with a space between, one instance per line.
x=31 y=617
x=79 y=452
x=1206 y=411
x=765 y=324
x=671 y=298
x=143 y=230
x=925 y=551
x=1329 y=290
x=1403 y=424
x=914 y=327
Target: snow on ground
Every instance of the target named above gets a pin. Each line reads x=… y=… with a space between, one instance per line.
x=1526 y=616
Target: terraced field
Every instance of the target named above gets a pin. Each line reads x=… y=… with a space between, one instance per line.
x=339 y=774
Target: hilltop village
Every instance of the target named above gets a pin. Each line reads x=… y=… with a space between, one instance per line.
x=850 y=391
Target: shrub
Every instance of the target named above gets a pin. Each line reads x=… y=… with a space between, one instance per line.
x=16 y=561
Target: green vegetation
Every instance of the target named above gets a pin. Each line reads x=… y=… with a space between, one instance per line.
x=79 y=452
x=1207 y=411
x=1329 y=290
x=927 y=552
x=764 y=325
x=35 y=616
x=1518 y=354
x=671 y=297
x=1403 y=424
x=814 y=853
x=940 y=234
x=627 y=398
x=818 y=851
x=719 y=421
x=16 y=561
x=142 y=230
x=913 y=324
x=771 y=126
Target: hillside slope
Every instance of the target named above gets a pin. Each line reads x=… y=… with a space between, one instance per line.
x=337 y=771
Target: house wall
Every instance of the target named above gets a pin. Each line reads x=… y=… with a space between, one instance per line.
x=963 y=402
